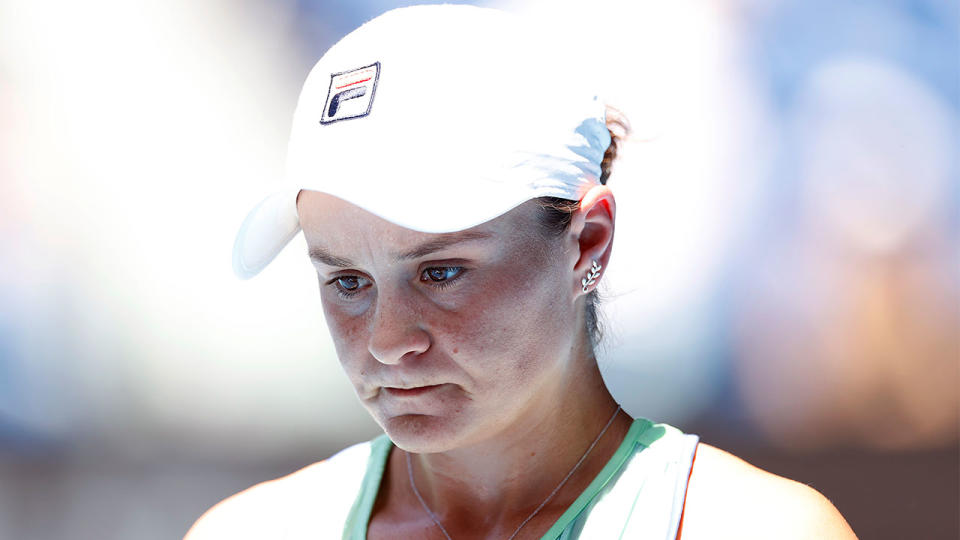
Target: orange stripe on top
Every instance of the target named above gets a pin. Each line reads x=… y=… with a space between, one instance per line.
x=684 y=509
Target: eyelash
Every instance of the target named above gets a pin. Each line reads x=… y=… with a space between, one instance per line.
x=424 y=278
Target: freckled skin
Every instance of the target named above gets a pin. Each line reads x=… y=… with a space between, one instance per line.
x=497 y=337
x=518 y=396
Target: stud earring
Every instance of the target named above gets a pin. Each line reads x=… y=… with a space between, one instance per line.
x=592 y=275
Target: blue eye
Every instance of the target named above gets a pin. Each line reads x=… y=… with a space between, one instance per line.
x=439 y=274
x=347 y=286
x=348 y=283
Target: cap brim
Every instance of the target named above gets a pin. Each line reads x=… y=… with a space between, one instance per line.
x=266 y=230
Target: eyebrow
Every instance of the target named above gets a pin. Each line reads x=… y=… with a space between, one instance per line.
x=441 y=243
x=320 y=254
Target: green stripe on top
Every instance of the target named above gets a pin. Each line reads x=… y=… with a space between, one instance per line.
x=359 y=518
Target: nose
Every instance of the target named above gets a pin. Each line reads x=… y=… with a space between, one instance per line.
x=396 y=330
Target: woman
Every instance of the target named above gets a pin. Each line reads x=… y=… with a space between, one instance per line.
x=448 y=172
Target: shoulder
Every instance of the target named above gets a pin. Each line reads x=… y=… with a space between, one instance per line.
x=729 y=498
x=257 y=512
x=272 y=509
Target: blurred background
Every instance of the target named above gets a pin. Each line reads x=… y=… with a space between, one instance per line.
x=786 y=281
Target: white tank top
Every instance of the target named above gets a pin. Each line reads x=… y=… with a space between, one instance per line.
x=639 y=494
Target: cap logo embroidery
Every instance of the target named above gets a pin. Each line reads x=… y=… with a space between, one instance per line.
x=351 y=94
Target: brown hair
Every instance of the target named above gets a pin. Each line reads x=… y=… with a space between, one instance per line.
x=556 y=213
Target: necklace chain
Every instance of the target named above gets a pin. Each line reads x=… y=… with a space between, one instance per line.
x=433 y=516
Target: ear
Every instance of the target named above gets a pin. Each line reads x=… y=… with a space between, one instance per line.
x=592 y=228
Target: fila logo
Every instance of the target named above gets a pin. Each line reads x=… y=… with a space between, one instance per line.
x=350 y=94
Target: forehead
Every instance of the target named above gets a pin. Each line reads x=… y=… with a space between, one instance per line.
x=333 y=223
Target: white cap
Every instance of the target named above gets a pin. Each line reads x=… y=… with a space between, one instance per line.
x=436 y=118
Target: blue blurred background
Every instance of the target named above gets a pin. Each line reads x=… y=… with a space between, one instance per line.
x=786 y=277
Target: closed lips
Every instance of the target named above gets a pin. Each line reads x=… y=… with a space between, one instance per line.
x=410 y=391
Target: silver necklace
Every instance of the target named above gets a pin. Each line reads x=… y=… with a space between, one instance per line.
x=433 y=516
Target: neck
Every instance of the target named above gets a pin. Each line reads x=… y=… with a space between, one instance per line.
x=497 y=482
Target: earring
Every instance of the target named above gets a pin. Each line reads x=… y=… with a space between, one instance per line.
x=592 y=275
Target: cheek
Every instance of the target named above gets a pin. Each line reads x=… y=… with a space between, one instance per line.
x=506 y=329
x=349 y=334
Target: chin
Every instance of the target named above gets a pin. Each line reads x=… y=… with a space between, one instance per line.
x=421 y=433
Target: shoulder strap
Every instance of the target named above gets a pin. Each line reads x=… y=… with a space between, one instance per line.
x=665 y=468
x=639 y=494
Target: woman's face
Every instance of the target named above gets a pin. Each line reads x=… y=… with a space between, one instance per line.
x=448 y=339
